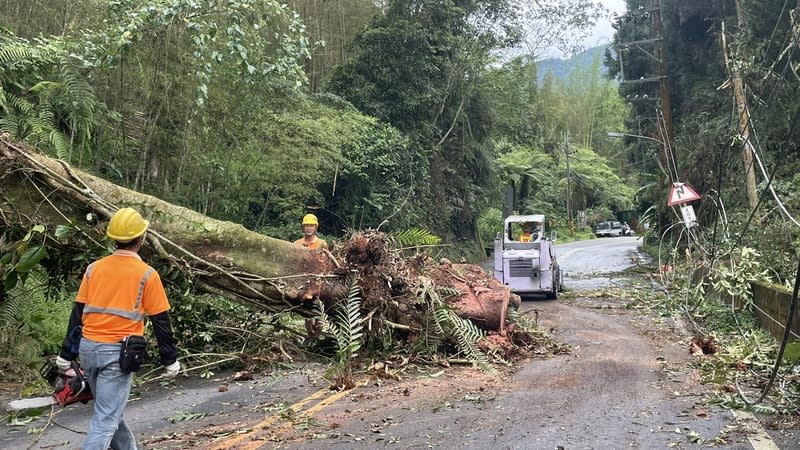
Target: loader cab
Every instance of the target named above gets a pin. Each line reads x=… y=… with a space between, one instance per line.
x=525 y=258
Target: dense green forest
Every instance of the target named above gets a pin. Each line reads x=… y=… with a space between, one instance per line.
x=257 y=111
x=419 y=114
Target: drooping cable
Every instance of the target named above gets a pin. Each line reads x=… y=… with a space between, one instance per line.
x=787 y=331
x=793 y=303
x=764 y=173
x=769 y=181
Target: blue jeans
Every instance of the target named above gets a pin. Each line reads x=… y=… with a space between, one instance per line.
x=111 y=388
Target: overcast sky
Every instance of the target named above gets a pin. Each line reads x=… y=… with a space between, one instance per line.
x=602 y=32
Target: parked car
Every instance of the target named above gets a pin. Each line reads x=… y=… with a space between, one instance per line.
x=609 y=229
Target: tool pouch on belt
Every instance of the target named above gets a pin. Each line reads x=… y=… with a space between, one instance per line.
x=132 y=353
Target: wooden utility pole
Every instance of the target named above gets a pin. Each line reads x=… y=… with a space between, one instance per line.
x=569 y=178
x=654 y=48
x=663 y=82
x=744 y=116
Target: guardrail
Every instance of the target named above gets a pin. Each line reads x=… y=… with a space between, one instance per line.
x=771 y=307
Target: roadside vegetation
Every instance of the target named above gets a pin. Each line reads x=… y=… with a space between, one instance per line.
x=741 y=361
x=257 y=112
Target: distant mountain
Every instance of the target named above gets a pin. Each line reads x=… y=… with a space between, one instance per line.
x=562 y=67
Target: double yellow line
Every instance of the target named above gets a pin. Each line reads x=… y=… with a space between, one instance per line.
x=236 y=441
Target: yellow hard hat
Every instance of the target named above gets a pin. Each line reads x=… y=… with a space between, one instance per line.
x=126 y=225
x=310 y=219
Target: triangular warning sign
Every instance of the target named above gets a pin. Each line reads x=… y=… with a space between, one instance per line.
x=681 y=193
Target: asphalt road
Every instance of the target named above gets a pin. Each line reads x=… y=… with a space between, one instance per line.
x=625 y=383
x=598 y=263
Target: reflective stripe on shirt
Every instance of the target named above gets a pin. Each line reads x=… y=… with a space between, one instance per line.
x=136 y=315
x=89 y=270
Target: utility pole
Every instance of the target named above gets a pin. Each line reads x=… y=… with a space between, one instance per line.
x=569 y=178
x=744 y=115
x=654 y=49
x=663 y=82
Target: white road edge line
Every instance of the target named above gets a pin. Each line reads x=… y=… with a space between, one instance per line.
x=758 y=437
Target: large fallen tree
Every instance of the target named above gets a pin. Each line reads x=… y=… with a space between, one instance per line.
x=226 y=259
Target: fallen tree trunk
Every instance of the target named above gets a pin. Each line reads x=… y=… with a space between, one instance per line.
x=225 y=258
x=217 y=256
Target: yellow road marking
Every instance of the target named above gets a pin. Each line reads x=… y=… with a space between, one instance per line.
x=324 y=402
x=230 y=443
x=300 y=417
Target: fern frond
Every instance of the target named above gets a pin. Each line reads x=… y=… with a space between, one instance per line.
x=349 y=323
x=16 y=342
x=468 y=336
x=81 y=101
x=21 y=104
x=318 y=308
x=10 y=124
x=761 y=408
x=11 y=311
x=521 y=320
x=347 y=328
x=448 y=324
x=15 y=53
x=3 y=100
x=415 y=236
x=448 y=291
x=49 y=108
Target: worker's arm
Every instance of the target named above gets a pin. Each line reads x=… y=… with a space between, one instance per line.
x=162 y=327
x=69 y=348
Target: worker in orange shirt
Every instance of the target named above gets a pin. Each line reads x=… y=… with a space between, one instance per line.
x=106 y=329
x=527 y=233
x=310 y=240
x=530 y=233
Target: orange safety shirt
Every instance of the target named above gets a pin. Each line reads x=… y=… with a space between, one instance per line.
x=117 y=291
x=316 y=244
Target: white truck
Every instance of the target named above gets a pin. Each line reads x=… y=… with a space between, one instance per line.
x=527 y=265
x=609 y=228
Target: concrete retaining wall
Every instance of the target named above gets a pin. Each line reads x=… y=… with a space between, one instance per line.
x=771 y=306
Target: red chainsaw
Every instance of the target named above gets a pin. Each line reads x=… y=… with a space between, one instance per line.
x=68 y=388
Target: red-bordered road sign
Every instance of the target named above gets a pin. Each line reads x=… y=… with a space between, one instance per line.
x=681 y=193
